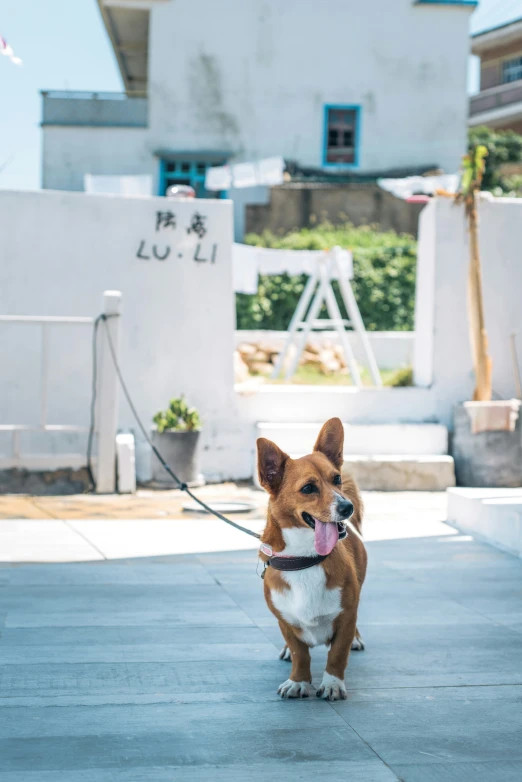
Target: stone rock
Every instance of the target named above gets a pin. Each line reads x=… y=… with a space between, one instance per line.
x=259 y=356
x=261 y=368
x=246 y=349
x=270 y=348
x=310 y=358
x=329 y=362
x=339 y=354
x=241 y=373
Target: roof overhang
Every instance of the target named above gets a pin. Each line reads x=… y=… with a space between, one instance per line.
x=127 y=23
x=212 y=156
x=505 y=34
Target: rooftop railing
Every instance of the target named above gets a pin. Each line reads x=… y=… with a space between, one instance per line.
x=496 y=98
x=94 y=109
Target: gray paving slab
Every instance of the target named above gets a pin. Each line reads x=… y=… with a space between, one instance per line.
x=365 y=771
x=131 y=635
x=142 y=677
x=199 y=734
x=166 y=669
x=431 y=725
x=90 y=573
x=174 y=616
x=54 y=598
x=503 y=770
x=146 y=653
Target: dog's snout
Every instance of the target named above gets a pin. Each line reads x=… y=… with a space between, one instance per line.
x=344 y=508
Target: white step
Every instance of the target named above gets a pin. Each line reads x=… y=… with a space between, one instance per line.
x=362 y=439
x=401 y=472
x=381 y=457
x=492 y=515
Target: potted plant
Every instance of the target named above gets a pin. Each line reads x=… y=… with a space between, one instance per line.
x=176 y=436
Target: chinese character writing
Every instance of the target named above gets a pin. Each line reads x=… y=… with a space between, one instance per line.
x=197 y=225
x=165 y=220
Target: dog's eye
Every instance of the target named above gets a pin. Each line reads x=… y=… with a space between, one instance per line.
x=309 y=488
x=337 y=480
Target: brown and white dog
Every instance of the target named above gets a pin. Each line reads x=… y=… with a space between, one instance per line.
x=314 y=571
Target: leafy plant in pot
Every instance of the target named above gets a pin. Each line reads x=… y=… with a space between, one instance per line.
x=177 y=436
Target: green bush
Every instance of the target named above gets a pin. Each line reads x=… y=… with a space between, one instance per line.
x=178 y=417
x=384 y=278
x=504 y=146
x=400 y=377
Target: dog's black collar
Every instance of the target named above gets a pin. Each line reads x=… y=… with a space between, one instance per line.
x=294 y=563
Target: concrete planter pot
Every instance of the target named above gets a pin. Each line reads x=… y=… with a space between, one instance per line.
x=181 y=452
x=487 y=459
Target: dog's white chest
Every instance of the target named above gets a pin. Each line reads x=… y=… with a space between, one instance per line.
x=307 y=604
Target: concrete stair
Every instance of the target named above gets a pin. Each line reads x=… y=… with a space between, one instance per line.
x=381 y=457
x=491 y=515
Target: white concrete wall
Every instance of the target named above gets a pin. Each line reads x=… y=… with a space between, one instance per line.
x=253 y=78
x=60 y=251
x=443 y=356
x=68 y=153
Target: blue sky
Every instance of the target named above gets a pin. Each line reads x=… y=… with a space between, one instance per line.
x=63 y=45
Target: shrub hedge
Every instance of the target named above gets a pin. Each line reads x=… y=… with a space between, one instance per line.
x=384 y=278
x=504 y=146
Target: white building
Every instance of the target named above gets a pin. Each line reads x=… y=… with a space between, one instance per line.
x=339 y=86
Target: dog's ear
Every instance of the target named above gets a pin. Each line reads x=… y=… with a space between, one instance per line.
x=271 y=462
x=331 y=441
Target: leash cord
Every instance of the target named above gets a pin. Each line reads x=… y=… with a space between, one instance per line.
x=183 y=486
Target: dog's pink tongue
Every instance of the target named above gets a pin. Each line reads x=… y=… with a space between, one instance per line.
x=326 y=536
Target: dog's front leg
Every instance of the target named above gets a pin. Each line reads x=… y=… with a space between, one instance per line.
x=299 y=683
x=332 y=686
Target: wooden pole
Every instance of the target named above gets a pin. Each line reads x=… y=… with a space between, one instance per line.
x=478 y=336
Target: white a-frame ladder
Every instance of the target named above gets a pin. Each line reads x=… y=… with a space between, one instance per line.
x=318 y=290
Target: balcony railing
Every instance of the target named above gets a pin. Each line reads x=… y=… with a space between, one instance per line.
x=94 y=109
x=495 y=98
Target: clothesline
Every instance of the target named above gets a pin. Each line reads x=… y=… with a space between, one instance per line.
x=249 y=262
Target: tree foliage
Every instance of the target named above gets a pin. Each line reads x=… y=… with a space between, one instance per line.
x=384 y=278
x=503 y=146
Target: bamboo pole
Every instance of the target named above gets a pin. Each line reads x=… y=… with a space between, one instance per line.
x=478 y=336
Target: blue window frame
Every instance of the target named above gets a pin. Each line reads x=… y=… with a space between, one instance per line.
x=185 y=172
x=342 y=136
x=512 y=70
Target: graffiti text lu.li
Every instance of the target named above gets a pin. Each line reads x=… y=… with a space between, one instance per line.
x=165 y=222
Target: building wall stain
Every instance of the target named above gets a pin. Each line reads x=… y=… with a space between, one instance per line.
x=205 y=89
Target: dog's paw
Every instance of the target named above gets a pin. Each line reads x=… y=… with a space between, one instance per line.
x=357 y=644
x=285 y=654
x=291 y=689
x=332 y=688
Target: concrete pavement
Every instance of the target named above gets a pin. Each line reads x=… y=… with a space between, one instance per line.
x=153 y=657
